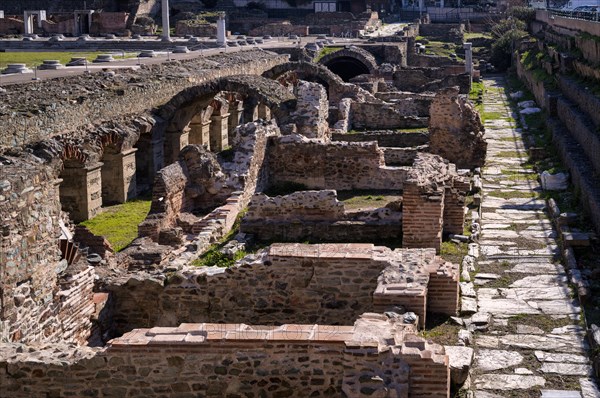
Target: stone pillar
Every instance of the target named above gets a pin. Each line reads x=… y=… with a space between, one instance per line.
x=441 y=3
x=200 y=131
x=1 y=14
x=221 y=32
x=468 y=58
x=236 y=114
x=81 y=191
x=174 y=142
x=421 y=5
x=218 y=132
x=454 y=213
x=166 y=36
x=422 y=217
x=118 y=177
x=264 y=112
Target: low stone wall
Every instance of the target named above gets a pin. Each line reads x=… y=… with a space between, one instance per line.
x=430 y=80
x=375 y=357
x=91 y=99
x=416 y=104
x=443 y=32
x=336 y=165
x=395 y=139
x=384 y=116
x=585 y=100
x=558 y=21
x=318 y=216
x=326 y=283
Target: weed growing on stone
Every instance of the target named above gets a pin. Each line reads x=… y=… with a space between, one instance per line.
x=513 y=194
x=453 y=252
x=326 y=51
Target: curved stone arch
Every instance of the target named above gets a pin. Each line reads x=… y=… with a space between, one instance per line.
x=307 y=71
x=362 y=60
x=257 y=88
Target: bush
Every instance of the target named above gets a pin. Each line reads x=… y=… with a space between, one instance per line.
x=525 y=14
x=501 y=52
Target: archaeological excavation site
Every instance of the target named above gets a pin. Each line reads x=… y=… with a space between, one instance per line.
x=405 y=211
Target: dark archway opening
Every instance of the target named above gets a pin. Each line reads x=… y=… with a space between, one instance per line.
x=347 y=67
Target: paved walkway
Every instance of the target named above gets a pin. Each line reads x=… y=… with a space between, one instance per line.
x=533 y=344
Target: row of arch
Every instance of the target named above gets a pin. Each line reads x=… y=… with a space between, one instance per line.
x=116 y=162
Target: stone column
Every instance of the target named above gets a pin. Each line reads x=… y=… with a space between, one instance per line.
x=264 y=112
x=221 y=32
x=236 y=113
x=441 y=3
x=166 y=36
x=468 y=58
x=174 y=142
x=422 y=217
x=421 y=5
x=218 y=132
x=81 y=191
x=118 y=177
x=200 y=131
x=1 y=14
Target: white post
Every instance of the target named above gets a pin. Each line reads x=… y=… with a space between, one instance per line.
x=1 y=14
x=221 y=32
x=468 y=58
x=441 y=3
x=165 y=20
x=28 y=22
x=421 y=5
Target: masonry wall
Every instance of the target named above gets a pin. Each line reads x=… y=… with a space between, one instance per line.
x=386 y=138
x=228 y=360
x=97 y=97
x=317 y=216
x=42 y=298
x=284 y=290
x=379 y=116
x=336 y=165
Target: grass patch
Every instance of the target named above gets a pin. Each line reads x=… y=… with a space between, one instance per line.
x=326 y=51
x=453 y=252
x=513 y=194
x=477 y=35
x=413 y=130
x=544 y=322
x=118 y=224
x=33 y=58
x=509 y=154
x=214 y=257
x=492 y=115
x=368 y=199
x=440 y=329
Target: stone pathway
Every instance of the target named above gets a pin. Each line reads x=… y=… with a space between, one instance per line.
x=527 y=337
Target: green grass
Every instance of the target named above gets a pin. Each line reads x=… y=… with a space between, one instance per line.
x=326 y=51
x=491 y=115
x=513 y=194
x=371 y=199
x=118 y=224
x=453 y=252
x=33 y=58
x=477 y=35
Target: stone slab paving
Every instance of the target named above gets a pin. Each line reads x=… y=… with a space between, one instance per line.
x=533 y=345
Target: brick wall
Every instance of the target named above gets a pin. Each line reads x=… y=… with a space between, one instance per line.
x=42 y=298
x=375 y=356
x=422 y=218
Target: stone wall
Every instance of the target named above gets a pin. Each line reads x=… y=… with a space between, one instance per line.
x=375 y=356
x=108 y=22
x=425 y=206
x=455 y=130
x=336 y=165
x=199 y=183
x=383 y=116
x=443 y=32
x=430 y=80
x=326 y=283
x=310 y=115
x=318 y=216
x=416 y=104
x=91 y=99
x=43 y=298
x=385 y=138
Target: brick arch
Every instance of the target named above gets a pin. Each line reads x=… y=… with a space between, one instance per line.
x=256 y=88
x=306 y=71
x=73 y=152
x=351 y=57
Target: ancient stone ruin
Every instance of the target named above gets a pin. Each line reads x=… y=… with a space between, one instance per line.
x=248 y=156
